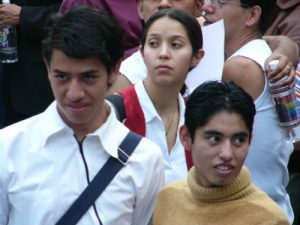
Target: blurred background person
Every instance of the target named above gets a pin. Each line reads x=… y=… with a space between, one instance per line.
x=25 y=87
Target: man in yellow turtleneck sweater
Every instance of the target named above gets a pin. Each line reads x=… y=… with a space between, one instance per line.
x=218 y=126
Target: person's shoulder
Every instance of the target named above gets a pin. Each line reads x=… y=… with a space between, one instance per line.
x=175 y=187
x=134 y=68
x=173 y=191
x=267 y=208
x=24 y=127
x=149 y=148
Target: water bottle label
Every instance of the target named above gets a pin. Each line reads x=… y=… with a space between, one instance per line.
x=8 y=44
x=4 y=31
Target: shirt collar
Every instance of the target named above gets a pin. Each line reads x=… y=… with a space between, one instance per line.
x=110 y=134
x=148 y=108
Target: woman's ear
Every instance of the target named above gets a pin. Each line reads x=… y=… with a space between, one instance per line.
x=197 y=57
x=185 y=138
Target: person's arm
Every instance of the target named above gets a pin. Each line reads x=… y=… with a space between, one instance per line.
x=287 y=52
x=4 y=206
x=147 y=192
x=283 y=45
x=244 y=73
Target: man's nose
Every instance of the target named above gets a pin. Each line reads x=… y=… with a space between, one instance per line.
x=226 y=151
x=164 y=4
x=75 y=91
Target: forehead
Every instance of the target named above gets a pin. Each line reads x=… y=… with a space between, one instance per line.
x=59 y=60
x=188 y=5
x=173 y=25
x=226 y=122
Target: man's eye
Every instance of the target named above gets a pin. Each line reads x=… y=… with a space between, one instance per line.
x=214 y=139
x=61 y=77
x=89 y=77
x=176 y=45
x=239 y=141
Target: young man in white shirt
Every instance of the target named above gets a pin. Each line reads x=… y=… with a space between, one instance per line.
x=48 y=160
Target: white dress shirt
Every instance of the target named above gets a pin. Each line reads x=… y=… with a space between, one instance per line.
x=175 y=162
x=42 y=172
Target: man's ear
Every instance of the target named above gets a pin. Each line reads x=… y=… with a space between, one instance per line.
x=198 y=7
x=47 y=66
x=185 y=138
x=140 y=9
x=197 y=57
x=253 y=16
x=114 y=73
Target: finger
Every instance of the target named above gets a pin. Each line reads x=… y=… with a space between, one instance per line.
x=281 y=71
x=291 y=78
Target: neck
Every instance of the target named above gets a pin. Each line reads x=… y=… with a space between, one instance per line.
x=235 y=43
x=163 y=98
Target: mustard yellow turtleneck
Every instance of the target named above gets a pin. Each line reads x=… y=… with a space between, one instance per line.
x=240 y=203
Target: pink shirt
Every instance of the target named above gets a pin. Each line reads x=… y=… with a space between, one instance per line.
x=125 y=13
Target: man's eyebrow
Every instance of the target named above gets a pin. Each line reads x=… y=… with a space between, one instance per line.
x=242 y=134
x=212 y=132
x=82 y=73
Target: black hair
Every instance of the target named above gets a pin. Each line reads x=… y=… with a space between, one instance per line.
x=213 y=97
x=267 y=8
x=188 y=21
x=84 y=32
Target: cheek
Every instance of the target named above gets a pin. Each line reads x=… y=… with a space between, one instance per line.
x=241 y=154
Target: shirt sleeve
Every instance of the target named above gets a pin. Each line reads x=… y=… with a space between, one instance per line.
x=3 y=193
x=145 y=201
x=134 y=68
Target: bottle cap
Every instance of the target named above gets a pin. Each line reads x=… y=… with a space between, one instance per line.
x=273 y=64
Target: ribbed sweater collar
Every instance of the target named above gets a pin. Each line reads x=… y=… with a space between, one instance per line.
x=240 y=188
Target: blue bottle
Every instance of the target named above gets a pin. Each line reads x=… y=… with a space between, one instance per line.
x=8 y=42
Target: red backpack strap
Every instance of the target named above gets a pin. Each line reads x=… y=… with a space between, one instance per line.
x=135 y=120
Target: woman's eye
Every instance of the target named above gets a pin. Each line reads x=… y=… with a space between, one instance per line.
x=153 y=44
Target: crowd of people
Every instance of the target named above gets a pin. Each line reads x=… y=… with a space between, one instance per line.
x=101 y=83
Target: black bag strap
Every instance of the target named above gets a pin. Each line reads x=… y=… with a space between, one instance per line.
x=100 y=181
x=118 y=103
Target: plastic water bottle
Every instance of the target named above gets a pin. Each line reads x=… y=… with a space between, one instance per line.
x=286 y=105
x=8 y=42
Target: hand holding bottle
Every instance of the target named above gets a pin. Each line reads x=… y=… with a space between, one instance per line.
x=9 y=14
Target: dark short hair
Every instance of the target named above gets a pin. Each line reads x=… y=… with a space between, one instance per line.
x=188 y=21
x=267 y=9
x=212 y=97
x=84 y=32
